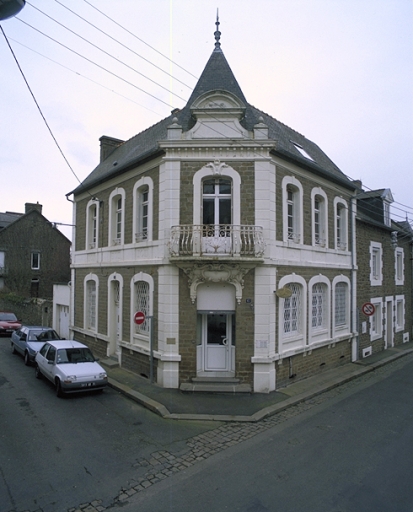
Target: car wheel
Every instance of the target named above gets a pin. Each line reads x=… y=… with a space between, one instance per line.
x=37 y=372
x=13 y=349
x=26 y=359
x=59 y=391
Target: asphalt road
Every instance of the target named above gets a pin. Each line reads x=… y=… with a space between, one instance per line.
x=349 y=450
x=58 y=453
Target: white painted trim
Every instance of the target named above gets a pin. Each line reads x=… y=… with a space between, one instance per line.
x=318 y=191
x=225 y=171
x=90 y=277
x=298 y=208
x=316 y=336
x=116 y=192
x=142 y=182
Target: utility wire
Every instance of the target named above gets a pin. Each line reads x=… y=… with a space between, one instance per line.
x=95 y=63
x=121 y=44
x=84 y=76
x=105 y=52
x=38 y=106
x=139 y=39
x=217 y=131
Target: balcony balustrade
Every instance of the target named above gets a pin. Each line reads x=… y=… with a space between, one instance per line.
x=225 y=240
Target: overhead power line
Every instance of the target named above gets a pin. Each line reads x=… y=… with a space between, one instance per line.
x=121 y=44
x=104 y=51
x=139 y=39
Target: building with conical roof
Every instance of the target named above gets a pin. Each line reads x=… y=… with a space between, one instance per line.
x=215 y=250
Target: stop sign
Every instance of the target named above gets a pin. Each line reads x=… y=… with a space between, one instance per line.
x=139 y=317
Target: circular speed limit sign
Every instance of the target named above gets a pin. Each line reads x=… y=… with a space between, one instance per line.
x=368 y=309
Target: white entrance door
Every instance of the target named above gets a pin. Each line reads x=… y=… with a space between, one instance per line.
x=218 y=344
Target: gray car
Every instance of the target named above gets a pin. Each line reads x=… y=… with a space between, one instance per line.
x=29 y=339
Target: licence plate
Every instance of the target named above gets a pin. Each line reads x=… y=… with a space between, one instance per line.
x=88 y=385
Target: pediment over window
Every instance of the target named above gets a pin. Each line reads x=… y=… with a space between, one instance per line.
x=218 y=115
x=220 y=100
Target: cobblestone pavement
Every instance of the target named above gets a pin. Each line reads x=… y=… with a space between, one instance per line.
x=163 y=464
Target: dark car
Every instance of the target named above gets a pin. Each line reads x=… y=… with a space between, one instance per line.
x=8 y=323
x=29 y=339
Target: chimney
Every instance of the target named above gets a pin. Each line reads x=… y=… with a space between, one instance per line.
x=33 y=206
x=108 y=146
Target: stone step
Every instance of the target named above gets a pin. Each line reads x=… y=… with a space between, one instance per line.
x=214 y=380
x=109 y=362
x=211 y=386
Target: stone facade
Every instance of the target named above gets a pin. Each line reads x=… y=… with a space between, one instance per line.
x=235 y=236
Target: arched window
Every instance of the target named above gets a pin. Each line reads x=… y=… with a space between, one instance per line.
x=142 y=209
x=91 y=302
x=319 y=217
x=319 y=309
x=341 y=224
x=216 y=205
x=292 y=314
x=341 y=305
x=292 y=210
x=142 y=287
x=116 y=217
x=92 y=214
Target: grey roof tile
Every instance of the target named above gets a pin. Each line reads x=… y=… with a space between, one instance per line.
x=217 y=75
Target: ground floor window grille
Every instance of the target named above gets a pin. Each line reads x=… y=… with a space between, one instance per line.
x=318 y=306
x=341 y=304
x=142 y=300
x=292 y=311
x=91 y=305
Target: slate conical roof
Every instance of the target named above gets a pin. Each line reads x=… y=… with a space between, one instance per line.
x=217 y=75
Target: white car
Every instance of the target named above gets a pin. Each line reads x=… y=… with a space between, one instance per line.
x=70 y=366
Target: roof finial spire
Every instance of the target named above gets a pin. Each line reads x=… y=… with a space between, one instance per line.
x=217 y=34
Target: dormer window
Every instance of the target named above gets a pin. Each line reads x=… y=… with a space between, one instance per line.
x=302 y=151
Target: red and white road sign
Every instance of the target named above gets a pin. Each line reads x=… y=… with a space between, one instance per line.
x=368 y=308
x=139 y=317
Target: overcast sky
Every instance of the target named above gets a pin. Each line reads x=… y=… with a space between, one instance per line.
x=338 y=71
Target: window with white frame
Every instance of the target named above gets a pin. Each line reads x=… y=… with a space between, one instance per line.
x=399 y=265
x=216 y=205
x=90 y=310
x=319 y=289
x=2 y=261
x=92 y=224
x=293 y=314
x=116 y=215
x=35 y=260
x=319 y=217
x=376 y=320
x=142 y=289
x=400 y=313
x=142 y=209
x=292 y=311
x=376 y=264
x=341 y=305
x=292 y=210
x=341 y=224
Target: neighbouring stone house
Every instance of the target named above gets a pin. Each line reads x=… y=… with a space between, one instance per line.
x=34 y=254
x=384 y=277
x=230 y=234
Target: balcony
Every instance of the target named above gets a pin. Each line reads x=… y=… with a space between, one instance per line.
x=218 y=240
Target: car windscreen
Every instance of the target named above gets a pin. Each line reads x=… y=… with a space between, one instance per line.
x=74 y=355
x=46 y=335
x=8 y=317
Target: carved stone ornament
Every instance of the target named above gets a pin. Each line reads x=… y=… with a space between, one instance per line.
x=216 y=273
x=216 y=166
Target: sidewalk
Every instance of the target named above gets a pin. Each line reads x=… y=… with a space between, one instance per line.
x=174 y=404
